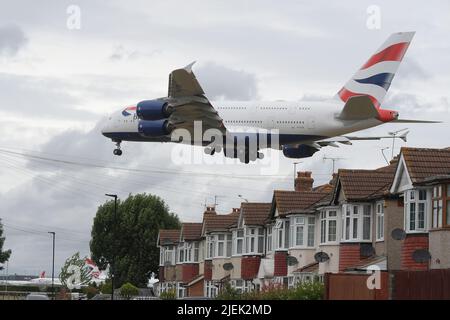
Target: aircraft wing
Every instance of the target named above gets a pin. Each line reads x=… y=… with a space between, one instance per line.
x=189 y=102
x=348 y=139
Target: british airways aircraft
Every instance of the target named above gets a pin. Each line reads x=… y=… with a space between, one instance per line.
x=242 y=129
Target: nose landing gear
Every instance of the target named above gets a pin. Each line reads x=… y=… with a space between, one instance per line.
x=117 y=151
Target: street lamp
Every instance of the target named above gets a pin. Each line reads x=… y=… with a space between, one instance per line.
x=240 y=196
x=114 y=242
x=53 y=265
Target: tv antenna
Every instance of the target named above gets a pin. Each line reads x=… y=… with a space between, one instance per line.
x=384 y=156
x=333 y=159
x=394 y=135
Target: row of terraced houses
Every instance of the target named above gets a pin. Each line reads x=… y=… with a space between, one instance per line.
x=395 y=218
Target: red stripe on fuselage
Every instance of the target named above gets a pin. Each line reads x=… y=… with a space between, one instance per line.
x=391 y=53
x=345 y=94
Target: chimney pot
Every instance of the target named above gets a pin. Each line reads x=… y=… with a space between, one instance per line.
x=303 y=182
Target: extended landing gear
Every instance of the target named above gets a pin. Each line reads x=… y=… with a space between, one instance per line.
x=117 y=151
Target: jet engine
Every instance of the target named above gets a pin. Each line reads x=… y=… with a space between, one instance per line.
x=302 y=151
x=154 y=128
x=153 y=110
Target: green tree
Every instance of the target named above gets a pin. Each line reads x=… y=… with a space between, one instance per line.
x=4 y=255
x=130 y=237
x=127 y=290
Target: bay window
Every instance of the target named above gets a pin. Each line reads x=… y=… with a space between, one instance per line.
x=167 y=255
x=328 y=226
x=302 y=231
x=218 y=245
x=441 y=206
x=254 y=240
x=357 y=222
x=416 y=207
x=380 y=221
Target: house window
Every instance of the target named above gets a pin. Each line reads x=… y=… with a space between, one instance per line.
x=441 y=206
x=210 y=247
x=229 y=245
x=238 y=242
x=415 y=206
x=221 y=245
x=181 y=253
x=302 y=231
x=282 y=234
x=269 y=238
x=328 y=226
x=167 y=255
x=254 y=240
x=357 y=222
x=380 y=221
x=211 y=289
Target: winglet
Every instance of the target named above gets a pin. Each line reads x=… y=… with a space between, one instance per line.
x=188 y=68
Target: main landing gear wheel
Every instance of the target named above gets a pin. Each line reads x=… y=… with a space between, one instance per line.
x=117 y=151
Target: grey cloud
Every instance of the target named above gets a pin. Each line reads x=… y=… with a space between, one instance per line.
x=223 y=83
x=12 y=39
x=39 y=97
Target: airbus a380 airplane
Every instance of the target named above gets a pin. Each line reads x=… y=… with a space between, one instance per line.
x=243 y=128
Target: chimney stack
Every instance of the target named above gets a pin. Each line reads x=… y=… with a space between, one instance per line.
x=333 y=179
x=210 y=210
x=303 y=182
x=236 y=209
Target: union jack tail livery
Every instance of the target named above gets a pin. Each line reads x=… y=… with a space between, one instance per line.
x=375 y=76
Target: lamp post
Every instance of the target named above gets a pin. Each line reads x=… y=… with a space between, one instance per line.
x=53 y=265
x=240 y=196
x=114 y=242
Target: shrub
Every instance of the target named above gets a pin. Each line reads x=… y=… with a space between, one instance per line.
x=127 y=290
x=228 y=293
x=168 y=294
x=90 y=291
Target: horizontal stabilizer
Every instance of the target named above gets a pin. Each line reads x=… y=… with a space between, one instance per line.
x=358 y=108
x=415 y=121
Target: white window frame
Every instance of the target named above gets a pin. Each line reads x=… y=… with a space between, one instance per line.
x=167 y=254
x=238 y=237
x=213 y=243
x=326 y=217
x=356 y=214
x=303 y=222
x=379 y=214
x=412 y=200
x=269 y=239
x=282 y=229
x=255 y=236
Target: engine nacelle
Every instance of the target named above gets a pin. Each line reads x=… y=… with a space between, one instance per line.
x=155 y=128
x=302 y=151
x=153 y=110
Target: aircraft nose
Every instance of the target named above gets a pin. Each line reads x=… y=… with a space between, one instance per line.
x=105 y=129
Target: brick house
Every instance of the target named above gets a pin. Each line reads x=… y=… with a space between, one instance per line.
x=248 y=247
x=361 y=212
x=422 y=180
x=167 y=243
x=292 y=230
x=216 y=230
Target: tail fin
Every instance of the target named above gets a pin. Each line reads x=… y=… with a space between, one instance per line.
x=42 y=275
x=375 y=76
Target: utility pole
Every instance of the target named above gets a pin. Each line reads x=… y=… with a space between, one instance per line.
x=112 y=265
x=53 y=265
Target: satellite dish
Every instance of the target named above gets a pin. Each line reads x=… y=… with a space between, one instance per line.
x=228 y=266
x=292 y=261
x=367 y=250
x=421 y=256
x=398 y=234
x=321 y=257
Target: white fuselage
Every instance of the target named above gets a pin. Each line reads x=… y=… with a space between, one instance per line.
x=295 y=122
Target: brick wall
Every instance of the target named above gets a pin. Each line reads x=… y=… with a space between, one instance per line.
x=280 y=264
x=349 y=255
x=196 y=290
x=412 y=243
x=190 y=271
x=250 y=267
x=208 y=270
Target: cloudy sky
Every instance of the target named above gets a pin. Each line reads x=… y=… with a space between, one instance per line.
x=58 y=82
